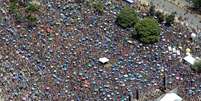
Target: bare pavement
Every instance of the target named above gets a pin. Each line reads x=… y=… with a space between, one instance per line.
x=191 y=20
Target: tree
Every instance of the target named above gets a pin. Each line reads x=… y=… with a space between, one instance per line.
x=197 y=66
x=197 y=4
x=148 y=30
x=127 y=17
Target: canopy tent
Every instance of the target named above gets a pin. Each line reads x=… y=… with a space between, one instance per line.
x=190 y=59
x=171 y=97
x=130 y=1
x=103 y=60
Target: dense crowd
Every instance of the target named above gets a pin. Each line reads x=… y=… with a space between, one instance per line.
x=57 y=60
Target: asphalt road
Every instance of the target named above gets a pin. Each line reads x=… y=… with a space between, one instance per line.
x=191 y=19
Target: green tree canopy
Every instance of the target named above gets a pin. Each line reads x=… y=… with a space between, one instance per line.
x=197 y=66
x=148 y=30
x=127 y=17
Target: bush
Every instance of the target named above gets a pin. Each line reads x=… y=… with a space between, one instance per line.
x=127 y=17
x=31 y=18
x=152 y=10
x=13 y=7
x=148 y=30
x=18 y=16
x=98 y=5
x=170 y=19
x=197 y=66
x=32 y=7
x=160 y=16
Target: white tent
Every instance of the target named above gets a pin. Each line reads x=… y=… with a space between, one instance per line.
x=130 y=1
x=130 y=42
x=190 y=59
x=104 y=60
x=193 y=35
x=171 y=97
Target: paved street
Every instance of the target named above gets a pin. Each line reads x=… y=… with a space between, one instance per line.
x=166 y=6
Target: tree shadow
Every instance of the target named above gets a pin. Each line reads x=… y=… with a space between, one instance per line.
x=194 y=10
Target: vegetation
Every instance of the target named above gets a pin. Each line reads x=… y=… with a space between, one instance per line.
x=32 y=7
x=160 y=16
x=170 y=19
x=98 y=5
x=152 y=10
x=31 y=18
x=26 y=11
x=18 y=16
x=127 y=17
x=197 y=66
x=13 y=8
x=148 y=30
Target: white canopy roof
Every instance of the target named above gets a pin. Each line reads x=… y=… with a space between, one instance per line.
x=129 y=41
x=171 y=97
x=193 y=35
x=190 y=59
x=130 y=1
x=103 y=60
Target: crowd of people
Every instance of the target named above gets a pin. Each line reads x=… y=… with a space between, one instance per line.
x=57 y=59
